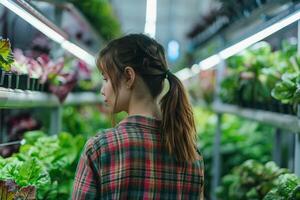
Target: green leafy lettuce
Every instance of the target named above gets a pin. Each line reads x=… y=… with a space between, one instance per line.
x=253 y=180
x=46 y=162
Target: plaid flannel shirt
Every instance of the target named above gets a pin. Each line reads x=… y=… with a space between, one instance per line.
x=127 y=162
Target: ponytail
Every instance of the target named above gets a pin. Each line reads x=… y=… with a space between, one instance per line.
x=178 y=125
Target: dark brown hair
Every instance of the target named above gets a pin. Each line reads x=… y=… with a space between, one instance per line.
x=147 y=58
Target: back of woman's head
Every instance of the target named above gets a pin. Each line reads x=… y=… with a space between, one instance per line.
x=147 y=58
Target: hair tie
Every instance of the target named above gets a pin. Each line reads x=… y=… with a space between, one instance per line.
x=167 y=74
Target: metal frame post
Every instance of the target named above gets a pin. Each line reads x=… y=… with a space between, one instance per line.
x=297 y=155
x=55 y=120
x=291 y=149
x=277 y=147
x=216 y=171
x=216 y=176
x=297 y=144
x=1 y=126
x=56 y=112
x=297 y=136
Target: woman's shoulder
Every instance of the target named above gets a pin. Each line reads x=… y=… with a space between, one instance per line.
x=100 y=139
x=104 y=134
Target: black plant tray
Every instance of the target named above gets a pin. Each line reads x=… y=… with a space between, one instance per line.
x=8 y=80
x=24 y=82
x=273 y=106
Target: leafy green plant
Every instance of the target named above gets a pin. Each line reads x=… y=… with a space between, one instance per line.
x=257 y=72
x=101 y=16
x=229 y=89
x=46 y=162
x=287 y=188
x=253 y=180
x=59 y=154
x=24 y=173
x=30 y=172
x=287 y=90
x=244 y=83
x=86 y=120
x=6 y=56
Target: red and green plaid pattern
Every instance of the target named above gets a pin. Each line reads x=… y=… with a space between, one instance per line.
x=127 y=162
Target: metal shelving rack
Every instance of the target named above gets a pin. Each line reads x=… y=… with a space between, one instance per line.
x=280 y=121
x=16 y=99
x=288 y=122
x=28 y=99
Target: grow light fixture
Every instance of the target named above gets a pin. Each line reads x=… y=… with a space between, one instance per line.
x=33 y=21
x=239 y=46
x=49 y=32
x=185 y=73
x=150 y=25
x=208 y=63
x=234 y=49
x=78 y=52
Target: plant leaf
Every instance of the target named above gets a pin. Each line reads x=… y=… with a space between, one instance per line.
x=5 y=48
x=9 y=190
x=28 y=193
x=6 y=57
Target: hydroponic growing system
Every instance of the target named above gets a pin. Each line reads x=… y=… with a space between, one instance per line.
x=245 y=83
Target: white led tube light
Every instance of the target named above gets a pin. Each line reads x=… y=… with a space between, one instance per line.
x=150 y=25
x=78 y=52
x=236 y=48
x=49 y=32
x=215 y=59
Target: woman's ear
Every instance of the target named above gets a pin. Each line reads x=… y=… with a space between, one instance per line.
x=130 y=76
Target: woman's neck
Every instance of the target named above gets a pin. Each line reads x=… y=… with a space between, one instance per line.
x=144 y=107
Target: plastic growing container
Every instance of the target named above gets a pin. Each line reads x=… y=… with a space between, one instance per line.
x=5 y=80
x=14 y=81
x=24 y=82
x=2 y=73
x=33 y=82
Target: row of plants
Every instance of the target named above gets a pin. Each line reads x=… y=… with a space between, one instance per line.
x=59 y=77
x=87 y=120
x=54 y=157
x=245 y=145
x=264 y=79
x=241 y=140
x=44 y=168
x=256 y=181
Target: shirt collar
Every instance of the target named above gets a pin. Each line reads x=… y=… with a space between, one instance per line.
x=142 y=120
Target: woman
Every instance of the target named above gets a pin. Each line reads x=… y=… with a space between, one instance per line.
x=152 y=153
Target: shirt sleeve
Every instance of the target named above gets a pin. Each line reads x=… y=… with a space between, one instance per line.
x=87 y=182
